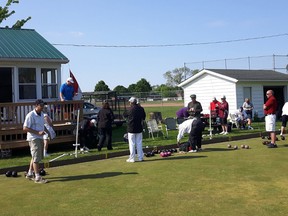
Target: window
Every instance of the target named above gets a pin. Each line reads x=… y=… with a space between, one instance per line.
x=49 y=83
x=27 y=83
x=247 y=92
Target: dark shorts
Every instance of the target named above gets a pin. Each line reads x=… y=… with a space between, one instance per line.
x=249 y=114
x=223 y=121
x=284 y=120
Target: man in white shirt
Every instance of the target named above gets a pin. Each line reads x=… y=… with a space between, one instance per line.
x=184 y=127
x=34 y=126
x=284 y=120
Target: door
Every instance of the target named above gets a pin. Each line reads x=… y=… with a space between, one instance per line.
x=6 y=93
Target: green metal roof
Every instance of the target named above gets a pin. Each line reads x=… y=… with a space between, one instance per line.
x=27 y=44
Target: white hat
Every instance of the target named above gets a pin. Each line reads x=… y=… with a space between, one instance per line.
x=93 y=121
x=70 y=79
x=132 y=100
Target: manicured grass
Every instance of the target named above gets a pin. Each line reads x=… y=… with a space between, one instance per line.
x=217 y=181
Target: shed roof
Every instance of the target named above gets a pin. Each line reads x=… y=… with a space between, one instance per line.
x=27 y=44
x=252 y=75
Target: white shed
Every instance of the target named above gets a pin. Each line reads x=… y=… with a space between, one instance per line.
x=236 y=85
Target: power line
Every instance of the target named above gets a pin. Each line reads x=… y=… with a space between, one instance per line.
x=172 y=45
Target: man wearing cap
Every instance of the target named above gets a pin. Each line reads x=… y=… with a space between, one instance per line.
x=135 y=117
x=223 y=115
x=34 y=126
x=194 y=107
x=66 y=94
x=67 y=90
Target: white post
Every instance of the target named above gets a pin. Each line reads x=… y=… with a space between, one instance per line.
x=77 y=131
x=210 y=124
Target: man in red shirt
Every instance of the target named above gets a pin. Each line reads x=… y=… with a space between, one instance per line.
x=270 y=108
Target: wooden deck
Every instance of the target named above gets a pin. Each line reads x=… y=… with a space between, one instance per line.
x=13 y=115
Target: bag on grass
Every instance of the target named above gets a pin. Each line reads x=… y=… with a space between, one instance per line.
x=184 y=147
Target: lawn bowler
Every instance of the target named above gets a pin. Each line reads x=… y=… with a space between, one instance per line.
x=34 y=126
x=135 y=117
x=270 y=108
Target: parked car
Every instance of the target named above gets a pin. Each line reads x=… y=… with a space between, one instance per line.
x=90 y=111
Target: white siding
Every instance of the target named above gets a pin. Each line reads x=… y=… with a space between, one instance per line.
x=206 y=87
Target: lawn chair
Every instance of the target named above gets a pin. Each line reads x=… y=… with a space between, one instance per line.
x=153 y=127
x=233 y=120
x=180 y=120
x=170 y=124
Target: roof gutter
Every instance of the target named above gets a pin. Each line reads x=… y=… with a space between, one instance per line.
x=62 y=61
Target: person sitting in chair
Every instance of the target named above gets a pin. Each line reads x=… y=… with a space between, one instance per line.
x=241 y=117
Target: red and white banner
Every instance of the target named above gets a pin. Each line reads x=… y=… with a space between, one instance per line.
x=76 y=86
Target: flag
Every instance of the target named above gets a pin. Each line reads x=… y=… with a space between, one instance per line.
x=76 y=86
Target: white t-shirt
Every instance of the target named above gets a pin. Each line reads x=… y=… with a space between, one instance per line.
x=184 y=127
x=35 y=122
x=285 y=109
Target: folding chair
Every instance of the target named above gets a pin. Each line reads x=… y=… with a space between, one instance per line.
x=153 y=127
x=170 y=124
x=180 y=120
x=233 y=120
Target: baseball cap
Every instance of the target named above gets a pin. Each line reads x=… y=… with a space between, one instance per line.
x=223 y=97
x=70 y=79
x=193 y=96
x=132 y=100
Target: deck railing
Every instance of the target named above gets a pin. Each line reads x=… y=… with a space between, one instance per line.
x=12 y=116
x=61 y=112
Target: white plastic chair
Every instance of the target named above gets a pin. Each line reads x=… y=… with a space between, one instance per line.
x=153 y=127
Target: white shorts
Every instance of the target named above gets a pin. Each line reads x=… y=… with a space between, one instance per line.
x=270 y=122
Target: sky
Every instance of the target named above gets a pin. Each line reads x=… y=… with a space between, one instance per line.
x=198 y=24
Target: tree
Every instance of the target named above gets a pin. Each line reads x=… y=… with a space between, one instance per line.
x=101 y=86
x=178 y=75
x=168 y=91
x=132 y=87
x=143 y=86
x=120 y=89
x=5 y=13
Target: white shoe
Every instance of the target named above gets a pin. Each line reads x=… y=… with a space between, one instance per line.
x=222 y=132
x=225 y=133
x=193 y=151
x=130 y=160
x=86 y=149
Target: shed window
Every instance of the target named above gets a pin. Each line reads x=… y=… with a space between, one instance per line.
x=49 y=83
x=27 y=83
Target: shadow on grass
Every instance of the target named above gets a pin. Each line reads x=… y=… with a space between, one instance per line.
x=89 y=176
x=184 y=156
x=218 y=149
